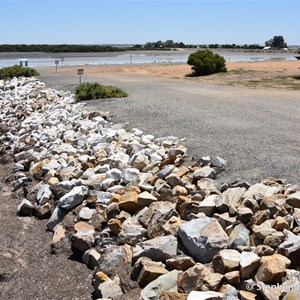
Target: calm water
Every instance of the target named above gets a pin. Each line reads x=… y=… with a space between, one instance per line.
x=134 y=58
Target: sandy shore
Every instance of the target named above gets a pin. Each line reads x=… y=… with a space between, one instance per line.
x=180 y=70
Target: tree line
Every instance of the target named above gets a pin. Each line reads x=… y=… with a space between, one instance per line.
x=276 y=42
x=57 y=48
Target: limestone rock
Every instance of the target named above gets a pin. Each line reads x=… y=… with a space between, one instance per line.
x=212 y=282
x=72 y=199
x=91 y=258
x=105 y=287
x=58 y=234
x=44 y=211
x=115 y=226
x=197 y=295
x=226 y=260
x=229 y=200
x=246 y=295
x=56 y=217
x=83 y=239
x=158 y=249
x=26 y=208
x=233 y=277
x=180 y=262
x=158 y=214
x=272 y=268
x=205 y=172
x=145 y=199
x=208 y=205
x=203 y=238
x=172 y=225
x=294 y=200
x=290 y=247
x=172 y=296
x=86 y=213
x=131 y=232
x=239 y=237
x=244 y=214
x=192 y=278
x=44 y=194
x=263 y=230
x=262 y=189
x=166 y=282
x=229 y=292
x=150 y=271
x=249 y=262
x=128 y=201
x=262 y=250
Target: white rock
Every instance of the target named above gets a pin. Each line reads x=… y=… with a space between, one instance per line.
x=86 y=213
x=197 y=295
x=44 y=194
x=72 y=199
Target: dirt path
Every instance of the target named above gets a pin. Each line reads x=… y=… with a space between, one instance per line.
x=27 y=269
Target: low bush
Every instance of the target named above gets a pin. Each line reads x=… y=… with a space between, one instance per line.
x=88 y=91
x=17 y=71
x=205 y=62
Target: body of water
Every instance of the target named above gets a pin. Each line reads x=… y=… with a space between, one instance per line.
x=80 y=59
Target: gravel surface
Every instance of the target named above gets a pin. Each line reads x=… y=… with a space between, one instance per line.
x=256 y=131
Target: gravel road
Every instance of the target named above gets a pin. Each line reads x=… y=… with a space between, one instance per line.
x=256 y=131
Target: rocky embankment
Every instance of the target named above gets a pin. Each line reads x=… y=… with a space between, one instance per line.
x=137 y=213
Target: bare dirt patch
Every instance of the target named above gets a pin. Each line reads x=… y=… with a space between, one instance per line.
x=27 y=268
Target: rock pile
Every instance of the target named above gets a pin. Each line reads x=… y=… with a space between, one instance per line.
x=141 y=217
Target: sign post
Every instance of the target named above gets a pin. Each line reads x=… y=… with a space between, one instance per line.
x=80 y=72
x=56 y=64
x=62 y=62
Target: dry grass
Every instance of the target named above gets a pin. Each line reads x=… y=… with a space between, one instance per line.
x=254 y=79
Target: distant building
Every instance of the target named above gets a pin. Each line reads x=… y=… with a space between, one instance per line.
x=23 y=61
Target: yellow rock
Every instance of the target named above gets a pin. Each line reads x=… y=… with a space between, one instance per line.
x=115 y=198
x=128 y=201
x=59 y=234
x=115 y=226
x=101 y=276
x=182 y=171
x=101 y=154
x=53 y=181
x=35 y=168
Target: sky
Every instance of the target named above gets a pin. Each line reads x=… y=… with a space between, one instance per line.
x=141 y=21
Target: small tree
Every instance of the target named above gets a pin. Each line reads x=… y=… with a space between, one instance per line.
x=277 y=42
x=205 y=62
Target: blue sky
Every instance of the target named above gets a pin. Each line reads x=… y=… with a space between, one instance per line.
x=117 y=22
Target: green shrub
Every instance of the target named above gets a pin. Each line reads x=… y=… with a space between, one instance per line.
x=88 y=91
x=17 y=71
x=205 y=62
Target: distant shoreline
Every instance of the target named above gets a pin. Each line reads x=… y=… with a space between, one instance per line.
x=4 y=55
x=36 y=59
